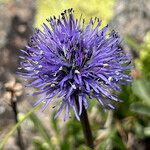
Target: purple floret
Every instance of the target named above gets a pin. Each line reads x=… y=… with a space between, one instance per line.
x=75 y=61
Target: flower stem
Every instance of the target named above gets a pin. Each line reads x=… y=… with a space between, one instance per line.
x=86 y=128
x=15 y=110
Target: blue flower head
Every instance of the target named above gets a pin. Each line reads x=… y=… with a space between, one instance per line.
x=76 y=62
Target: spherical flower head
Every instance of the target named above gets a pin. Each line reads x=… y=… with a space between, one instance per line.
x=75 y=62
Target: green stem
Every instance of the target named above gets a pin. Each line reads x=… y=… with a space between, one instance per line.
x=85 y=126
x=86 y=129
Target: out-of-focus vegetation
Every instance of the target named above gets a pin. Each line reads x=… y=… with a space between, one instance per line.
x=2 y=1
x=120 y=129
x=91 y=8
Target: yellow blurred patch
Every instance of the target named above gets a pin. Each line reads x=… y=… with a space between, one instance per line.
x=91 y=8
x=147 y=40
x=4 y=1
x=145 y=52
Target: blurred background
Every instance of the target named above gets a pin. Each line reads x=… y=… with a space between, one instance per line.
x=23 y=127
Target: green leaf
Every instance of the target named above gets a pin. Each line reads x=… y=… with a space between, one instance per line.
x=55 y=124
x=65 y=146
x=83 y=147
x=139 y=131
x=114 y=140
x=10 y=133
x=141 y=89
x=147 y=131
x=140 y=108
x=42 y=130
x=38 y=143
x=117 y=141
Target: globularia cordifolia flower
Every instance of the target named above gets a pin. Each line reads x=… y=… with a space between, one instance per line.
x=76 y=62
